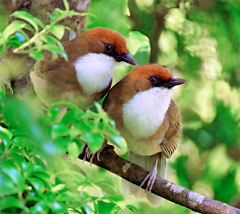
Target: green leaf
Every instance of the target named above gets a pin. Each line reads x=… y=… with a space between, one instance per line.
x=37 y=184
x=94 y=141
x=9 y=202
x=36 y=55
x=14 y=174
x=106 y=187
x=58 y=188
x=58 y=12
x=72 y=115
x=6 y=136
x=12 y=28
x=132 y=208
x=22 y=141
x=66 y=5
x=7 y=186
x=65 y=196
x=86 y=209
x=27 y=17
x=40 y=162
x=39 y=22
x=57 y=31
x=59 y=207
x=55 y=50
x=45 y=177
x=26 y=167
x=74 y=150
x=104 y=207
x=51 y=40
x=51 y=17
x=39 y=208
x=60 y=129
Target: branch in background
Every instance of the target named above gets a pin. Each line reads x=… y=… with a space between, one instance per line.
x=141 y=19
x=172 y=192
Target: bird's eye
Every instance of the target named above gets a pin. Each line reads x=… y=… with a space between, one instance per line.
x=109 y=48
x=153 y=80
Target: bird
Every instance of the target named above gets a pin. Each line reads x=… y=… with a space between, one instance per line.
x=146 y=116
x=87 y=74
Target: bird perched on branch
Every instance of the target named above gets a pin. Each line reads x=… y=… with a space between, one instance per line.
x=87 y=74
x=148 y=119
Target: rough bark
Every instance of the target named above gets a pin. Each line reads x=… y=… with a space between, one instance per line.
x=166 y=189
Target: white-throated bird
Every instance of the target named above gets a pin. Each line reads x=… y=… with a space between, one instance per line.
x=148 y=118
x=87 y=74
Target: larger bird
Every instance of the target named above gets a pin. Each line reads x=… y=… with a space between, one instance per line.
x=148 y=118
x=87 y=75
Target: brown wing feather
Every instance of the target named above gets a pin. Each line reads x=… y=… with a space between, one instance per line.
x=170 y=141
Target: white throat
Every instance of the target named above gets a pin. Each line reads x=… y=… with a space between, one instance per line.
x=145 y=112
x=94 y=71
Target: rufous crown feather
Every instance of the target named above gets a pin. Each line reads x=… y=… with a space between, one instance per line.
x=146 y=71
x=111 y=37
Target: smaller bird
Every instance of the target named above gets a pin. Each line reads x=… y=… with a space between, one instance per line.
x=148 y=118
x=87 y=74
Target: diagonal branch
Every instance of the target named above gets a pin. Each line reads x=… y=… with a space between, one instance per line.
x=172 y=192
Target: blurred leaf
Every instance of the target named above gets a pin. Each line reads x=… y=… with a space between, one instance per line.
x=37 y=184
x=132 y=208
x=226 y=187
x=12 y=28
x=94 y=141
x=59 y=207
x=27 y=17
x=9 y=202
x=106 y=187
x=39 y=208
x=14 y=174
x=104 y=207
x=36 y=55
x=57 y=31
x=60 y=129
x=74 y=150
x=6 y=136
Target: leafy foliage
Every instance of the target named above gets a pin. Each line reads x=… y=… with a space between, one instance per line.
x=34 y=178
x=198 y=43
x=45 y=37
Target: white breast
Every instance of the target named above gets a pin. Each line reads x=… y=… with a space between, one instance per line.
x=145 y=112
x=94 y=71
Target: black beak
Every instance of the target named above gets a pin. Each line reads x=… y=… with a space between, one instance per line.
x=127 y=58
x=173 y=82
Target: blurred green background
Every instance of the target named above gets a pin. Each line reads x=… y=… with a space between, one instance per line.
x=198 y=41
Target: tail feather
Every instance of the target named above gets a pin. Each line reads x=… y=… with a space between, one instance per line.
x=146 y=162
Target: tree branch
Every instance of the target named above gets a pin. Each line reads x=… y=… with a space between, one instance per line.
x=150 y=22
x=166 y=189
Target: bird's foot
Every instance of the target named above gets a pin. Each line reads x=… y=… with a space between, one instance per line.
x=89 y=155
x=150 y=179
x=151 y=176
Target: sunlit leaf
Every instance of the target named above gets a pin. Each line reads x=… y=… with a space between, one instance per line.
x=94 y=141
x=106 y=187
x=36 y=55
x=57 y=31
x=73 y=150
x=12 y=28
x=37 y=184
x=27 y=17
x=14 y=174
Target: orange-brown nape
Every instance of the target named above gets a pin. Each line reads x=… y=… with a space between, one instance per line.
x=147 y=71
x=111 y=37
